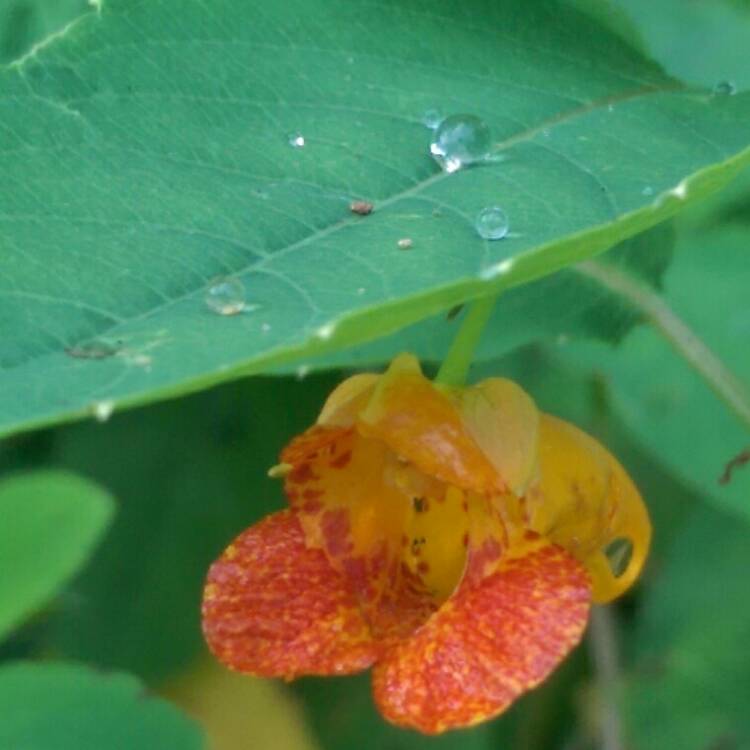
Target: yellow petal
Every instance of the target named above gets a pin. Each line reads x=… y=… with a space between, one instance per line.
x=347 y=400
x=421 y=424
x=584 y=501
x=504 y=422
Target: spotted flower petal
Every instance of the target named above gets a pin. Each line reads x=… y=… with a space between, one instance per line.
x=276 y=608
x=496 y=638
x=585 y=502
x=347 y=492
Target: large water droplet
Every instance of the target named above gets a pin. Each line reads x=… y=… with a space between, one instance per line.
x=725 y=88
x=226 y=296
x=432 y=118
x=461 y=140
x=492 y=223
x=296 y=140
x=619 y=552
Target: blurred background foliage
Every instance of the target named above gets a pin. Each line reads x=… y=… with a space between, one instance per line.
x=669 y=663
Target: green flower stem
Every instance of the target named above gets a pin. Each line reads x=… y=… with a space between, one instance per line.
x=456 y=365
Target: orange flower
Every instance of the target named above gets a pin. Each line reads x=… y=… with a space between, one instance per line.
x=451 y=537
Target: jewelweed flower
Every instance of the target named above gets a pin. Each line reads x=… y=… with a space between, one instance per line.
x=451 y=538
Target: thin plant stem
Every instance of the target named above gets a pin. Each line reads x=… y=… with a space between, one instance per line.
x=455 y=367
x=602 y=640
x=713 y=371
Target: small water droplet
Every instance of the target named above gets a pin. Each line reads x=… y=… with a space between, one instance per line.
x=432 y=118
x=326 y=331
x=405 y=243
x=265 y=327
x=303 y=371
x=725 y=88
x=361 y=290
x=648 y=190
x=492 y=223
x=296 y=140
x=546 y=132
x=610 y=108
x=226 y=296
x=103 y=410
x=461 y=140
x=619 y=552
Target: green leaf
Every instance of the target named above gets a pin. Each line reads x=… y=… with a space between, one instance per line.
x=674 y=30
x=692 y=675
x=51 y=523
x=146 y=151
x=560 y=307
x=68 y=707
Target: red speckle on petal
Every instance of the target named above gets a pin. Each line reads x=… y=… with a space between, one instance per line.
x=336 y=530
x=341 y=461
x=301 y=474
x=312 y=506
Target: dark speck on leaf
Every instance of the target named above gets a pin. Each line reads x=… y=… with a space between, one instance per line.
x=739 y=460
x=361 y=208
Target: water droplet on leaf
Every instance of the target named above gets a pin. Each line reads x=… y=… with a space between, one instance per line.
x=226 y=296
x=296 y=140
x=619 y=553
x=461 y=140
x=103 y=410
x=492 y=223
x=405 y=243
x=648 y=190
x=432 y=118
x=725 y=88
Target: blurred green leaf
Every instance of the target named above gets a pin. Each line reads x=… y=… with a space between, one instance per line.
x=67 y=707
x=51 y=523
x=146 y=151
x=190 y=475
x=675 y=31
x=692 y=677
